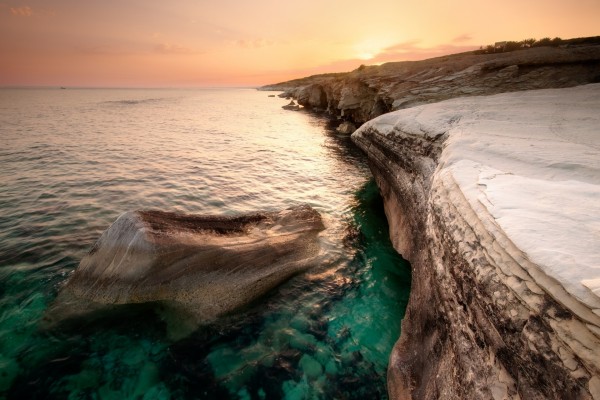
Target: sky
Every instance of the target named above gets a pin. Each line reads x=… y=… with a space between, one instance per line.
x=199 y=43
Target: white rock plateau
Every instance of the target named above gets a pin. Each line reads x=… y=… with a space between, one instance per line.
x=502 y=195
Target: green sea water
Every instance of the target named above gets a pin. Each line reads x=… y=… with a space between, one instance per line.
x=72 y=162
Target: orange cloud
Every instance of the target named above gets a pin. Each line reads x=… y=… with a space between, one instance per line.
x=462 y=38
x=253 y=43
x=101 y=50
x=405 y=51
x=24 y=11
x=168 y=48
x=410 y=51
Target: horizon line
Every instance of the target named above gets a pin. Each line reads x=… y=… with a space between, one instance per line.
x=79 y=87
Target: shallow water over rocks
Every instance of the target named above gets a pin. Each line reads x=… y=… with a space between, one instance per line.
x=73 y=160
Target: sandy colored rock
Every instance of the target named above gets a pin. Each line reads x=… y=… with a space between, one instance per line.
x=312 y=97
x=346 y=128
x=203 y=266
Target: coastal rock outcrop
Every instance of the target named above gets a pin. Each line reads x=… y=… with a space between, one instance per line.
x=312 y=97
x=199 y=266
x=291 y=106
x=370 y=91
x=346 y=128
x=494 y=200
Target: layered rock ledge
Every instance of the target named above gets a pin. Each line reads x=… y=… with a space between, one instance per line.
x=198 y=267
x=370 y=91
x=494 y=200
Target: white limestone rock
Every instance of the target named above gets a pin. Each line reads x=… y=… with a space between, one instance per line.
x=532 y=159
x=508 y=192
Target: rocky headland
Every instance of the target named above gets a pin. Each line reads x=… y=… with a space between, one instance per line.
x=493 y=198
x=194 y=267
x=370 y=91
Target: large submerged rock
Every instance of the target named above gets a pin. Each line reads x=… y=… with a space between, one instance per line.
x=495 y=201
x=199 y=266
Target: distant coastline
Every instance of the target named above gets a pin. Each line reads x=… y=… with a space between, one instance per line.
x=370 y=91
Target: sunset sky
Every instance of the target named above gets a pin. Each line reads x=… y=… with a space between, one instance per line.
x=191 y=43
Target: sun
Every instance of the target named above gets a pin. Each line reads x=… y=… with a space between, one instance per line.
x=367 y=49
x=365 y=56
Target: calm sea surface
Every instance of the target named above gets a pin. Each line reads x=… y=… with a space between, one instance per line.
x=71 y=161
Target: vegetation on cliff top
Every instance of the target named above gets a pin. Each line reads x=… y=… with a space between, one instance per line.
x=505 y=46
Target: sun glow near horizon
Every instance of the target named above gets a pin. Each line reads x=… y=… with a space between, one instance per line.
x=368 y=49
x=233 y=43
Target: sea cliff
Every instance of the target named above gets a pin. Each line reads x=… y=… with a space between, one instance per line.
x=370 y=91
x=492 y=200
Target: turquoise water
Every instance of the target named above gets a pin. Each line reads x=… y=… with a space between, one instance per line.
x=73 y=160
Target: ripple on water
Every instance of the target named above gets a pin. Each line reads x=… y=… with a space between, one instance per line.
x=72 y=161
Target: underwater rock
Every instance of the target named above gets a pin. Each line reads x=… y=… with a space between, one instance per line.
x=201 y=266
x=494 y=201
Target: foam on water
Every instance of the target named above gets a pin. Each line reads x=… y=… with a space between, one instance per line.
x=73 y=160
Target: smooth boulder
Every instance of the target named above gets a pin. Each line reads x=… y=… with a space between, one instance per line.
x=201 y=266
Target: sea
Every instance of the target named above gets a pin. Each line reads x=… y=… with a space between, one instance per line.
x=72 y=161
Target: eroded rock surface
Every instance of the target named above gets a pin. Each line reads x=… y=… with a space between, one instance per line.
x=494 y=200
x=346 y=128
x=203 y=266
x=370 y=91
